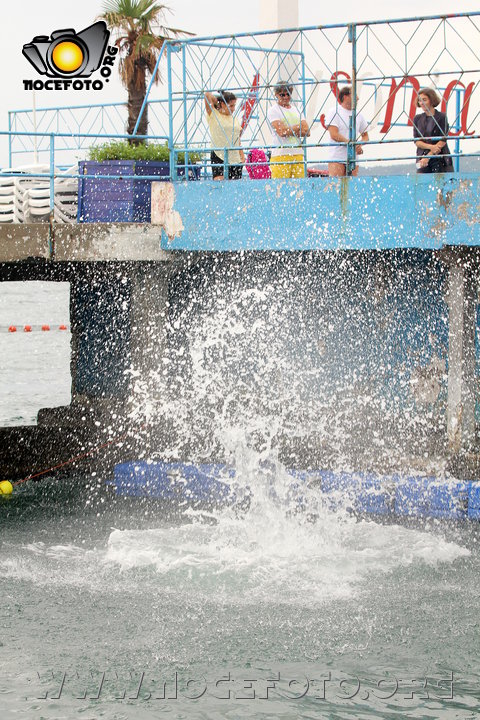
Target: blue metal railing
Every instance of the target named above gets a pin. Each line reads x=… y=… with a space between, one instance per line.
x=386 y=60
x=175 y=165
x=106 y=120
x=376 y=55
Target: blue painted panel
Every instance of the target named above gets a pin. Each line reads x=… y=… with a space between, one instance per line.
x=411 y=211
x=102 y=199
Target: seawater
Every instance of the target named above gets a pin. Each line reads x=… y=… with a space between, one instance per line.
x=34 y=366
x=113 y=608
x=118 y=608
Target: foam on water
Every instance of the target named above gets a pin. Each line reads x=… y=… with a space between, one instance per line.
x=277 y=551
x=287 y=548
x=51 y=565
x=298 y=565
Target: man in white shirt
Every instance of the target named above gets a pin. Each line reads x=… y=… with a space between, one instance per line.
x=337 y=122
x=288 y=131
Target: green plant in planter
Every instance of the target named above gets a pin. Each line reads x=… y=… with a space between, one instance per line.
x=123 y=150
x=126 y=198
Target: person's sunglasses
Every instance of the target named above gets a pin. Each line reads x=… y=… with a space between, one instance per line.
x=284 y=94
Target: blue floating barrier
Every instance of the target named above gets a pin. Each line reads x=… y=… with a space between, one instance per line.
x=414 y=496
x=427 y=497
x=411 y=497
x=474 y=500
x=450 y=500
x=375 y=496
x=168 y=481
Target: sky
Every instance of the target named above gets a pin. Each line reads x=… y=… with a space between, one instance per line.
x=24 y=19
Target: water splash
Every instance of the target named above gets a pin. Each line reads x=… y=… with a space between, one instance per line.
x=257 y=359
x=288 y=548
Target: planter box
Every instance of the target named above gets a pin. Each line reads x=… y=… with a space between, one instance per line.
x=125 y=198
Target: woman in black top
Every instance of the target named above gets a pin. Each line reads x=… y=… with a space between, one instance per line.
x=433 y=156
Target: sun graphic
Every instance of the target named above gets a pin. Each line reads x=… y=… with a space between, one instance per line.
x=67 y=56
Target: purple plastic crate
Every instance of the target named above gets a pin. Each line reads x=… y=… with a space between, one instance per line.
x=121 y=199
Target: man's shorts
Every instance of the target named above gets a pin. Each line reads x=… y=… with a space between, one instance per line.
x=287 y=166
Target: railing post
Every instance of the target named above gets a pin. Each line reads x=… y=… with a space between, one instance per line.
x=458 y=126
x=351 y=147
x=170 y=114
x=51 y=248
x=9 y=139
x=225 y=163
x=52 y=170
x=185 y=115
x=304 y=102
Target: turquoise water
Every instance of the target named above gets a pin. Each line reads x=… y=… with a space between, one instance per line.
x=121 y=609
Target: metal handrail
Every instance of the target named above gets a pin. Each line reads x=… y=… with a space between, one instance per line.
x=305 y=28
x=185 y=117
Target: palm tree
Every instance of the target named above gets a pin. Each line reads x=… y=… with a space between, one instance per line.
x=139 y=37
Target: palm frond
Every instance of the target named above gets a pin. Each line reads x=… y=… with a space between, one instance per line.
x=118 y=23
x=148 y=43
x=140 y=33
x=135 y=9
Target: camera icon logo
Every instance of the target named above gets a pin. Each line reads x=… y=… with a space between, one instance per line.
x=67 y=54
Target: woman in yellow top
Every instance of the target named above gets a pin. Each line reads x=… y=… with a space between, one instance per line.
x=225 y=132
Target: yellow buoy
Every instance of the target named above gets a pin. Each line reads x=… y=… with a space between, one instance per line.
x=6 y=487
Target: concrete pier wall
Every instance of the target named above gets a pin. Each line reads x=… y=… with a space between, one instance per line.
x=341 y=314
x=363 y=213
x=358 y=359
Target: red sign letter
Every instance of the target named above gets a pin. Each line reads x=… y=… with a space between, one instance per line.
x=465 y=106
x=391 y=101
x=334 y=89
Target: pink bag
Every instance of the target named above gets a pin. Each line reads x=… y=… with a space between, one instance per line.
x=257 y=165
